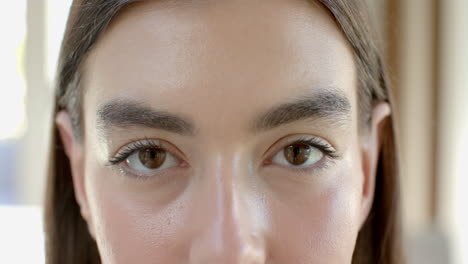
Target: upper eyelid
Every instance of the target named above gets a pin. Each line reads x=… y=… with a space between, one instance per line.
x=129 y=148
x=136 y=145
x=163 y=144
x=289 y=139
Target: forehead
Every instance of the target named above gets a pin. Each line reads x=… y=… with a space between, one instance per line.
x=241 y=55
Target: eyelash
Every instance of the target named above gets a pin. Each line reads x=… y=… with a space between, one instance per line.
x=133 y=147
x=136 y=146
x=320 y=144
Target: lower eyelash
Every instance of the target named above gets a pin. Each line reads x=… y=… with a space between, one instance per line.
x=324 y=164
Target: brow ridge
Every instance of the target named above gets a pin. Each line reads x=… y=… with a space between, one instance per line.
x=330 y=104
x=125 y=113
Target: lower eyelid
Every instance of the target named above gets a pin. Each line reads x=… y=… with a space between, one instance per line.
x=125 y=169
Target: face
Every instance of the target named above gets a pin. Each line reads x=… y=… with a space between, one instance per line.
x=223 y=132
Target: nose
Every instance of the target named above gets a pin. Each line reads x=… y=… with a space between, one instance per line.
x=228 y=227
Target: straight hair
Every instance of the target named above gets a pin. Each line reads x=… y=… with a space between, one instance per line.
x=67 y=237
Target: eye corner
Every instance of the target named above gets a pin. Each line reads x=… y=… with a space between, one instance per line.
x=267 y=162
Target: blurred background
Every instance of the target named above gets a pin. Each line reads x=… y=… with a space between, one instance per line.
x=425 y=44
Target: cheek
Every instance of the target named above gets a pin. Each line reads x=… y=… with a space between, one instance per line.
x=130 y=227
x=319 y=226
x=308 y=222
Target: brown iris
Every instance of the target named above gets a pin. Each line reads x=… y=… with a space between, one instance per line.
x=152 y=158
x=297 y=154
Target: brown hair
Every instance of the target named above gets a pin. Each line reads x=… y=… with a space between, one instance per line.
x=67 y=236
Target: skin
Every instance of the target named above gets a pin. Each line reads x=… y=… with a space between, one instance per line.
x=221 y=65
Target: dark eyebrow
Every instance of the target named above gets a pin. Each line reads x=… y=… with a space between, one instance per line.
x=329 y=104
x=125 y=113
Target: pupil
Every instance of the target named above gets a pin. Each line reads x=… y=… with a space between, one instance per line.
x=152 y=158
x=297 y=151
x=297 y=154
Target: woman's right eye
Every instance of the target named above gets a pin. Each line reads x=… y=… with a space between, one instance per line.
x=151 y=159
x=145 y=157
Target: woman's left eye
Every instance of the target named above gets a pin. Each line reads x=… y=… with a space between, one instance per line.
x=298 y=155
x=151 y=159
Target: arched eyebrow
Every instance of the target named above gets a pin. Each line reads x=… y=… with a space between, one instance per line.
x=329 y=105
x=125 y=113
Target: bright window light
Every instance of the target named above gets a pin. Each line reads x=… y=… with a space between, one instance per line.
x=57 y=13
x=22 y=238
x=13 y=88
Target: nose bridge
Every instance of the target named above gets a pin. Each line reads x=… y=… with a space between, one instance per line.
x=229 y=233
